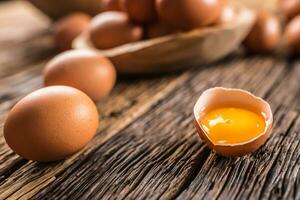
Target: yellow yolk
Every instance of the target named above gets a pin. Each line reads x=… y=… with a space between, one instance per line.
x=231 y=125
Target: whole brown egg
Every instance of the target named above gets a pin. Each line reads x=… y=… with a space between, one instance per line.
x=51 y=123
x=159 y=29
x=111 y=5
x=228 y=14
x=289 y=8
x=265 y=34
x=142 y=11
x=112 y=29
x=82 y=69
x=68 y=28
x=292 y=35
x=189 y=14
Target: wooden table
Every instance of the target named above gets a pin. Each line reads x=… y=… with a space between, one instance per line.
x=147 y=146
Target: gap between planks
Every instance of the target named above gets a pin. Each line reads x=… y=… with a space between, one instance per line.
x=149 y=175
x=279 y=80
x=22 y=77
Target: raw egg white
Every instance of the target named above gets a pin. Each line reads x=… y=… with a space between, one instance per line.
x=51 y=123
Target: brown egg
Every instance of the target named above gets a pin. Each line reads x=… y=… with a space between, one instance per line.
x=82 y=69
x=289 y=8
x=68 y=28
x=219 y=97
x=141 y=11
x=159 y=29
x=228 y=14
x=265 y=34
x=51 y=123
x=112 y=29
x=224 y=3
x=111 y=5
x=292 y=35
x=189 y=14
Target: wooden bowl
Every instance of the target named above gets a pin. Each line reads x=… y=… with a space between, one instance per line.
x=59 y=8
x=177 y=51
x=271 y=5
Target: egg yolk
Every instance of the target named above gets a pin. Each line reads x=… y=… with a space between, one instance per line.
x=231 y=125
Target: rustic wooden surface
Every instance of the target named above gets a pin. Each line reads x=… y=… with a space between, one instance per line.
x=147 y=146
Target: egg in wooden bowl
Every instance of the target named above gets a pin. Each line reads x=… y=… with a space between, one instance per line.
x=232 y=122
x=178 y=50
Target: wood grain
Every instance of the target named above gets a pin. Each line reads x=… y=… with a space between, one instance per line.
x=147 y=146
x=161 y=156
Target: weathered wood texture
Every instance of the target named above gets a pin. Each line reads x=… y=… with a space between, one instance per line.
x=147 y=146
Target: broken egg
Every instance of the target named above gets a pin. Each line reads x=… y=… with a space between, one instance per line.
x=51 y=123
x=233 y=122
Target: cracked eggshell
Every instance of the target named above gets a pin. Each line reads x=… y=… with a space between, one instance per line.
x=218 y=97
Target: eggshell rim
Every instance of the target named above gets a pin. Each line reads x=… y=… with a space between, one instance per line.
x=203 y=133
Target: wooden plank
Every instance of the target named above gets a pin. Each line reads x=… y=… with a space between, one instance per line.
x=21 y=75
x=147 y=147
x=159 y=156
x=125 y=104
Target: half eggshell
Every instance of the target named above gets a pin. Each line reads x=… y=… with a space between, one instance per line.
x=223 y=97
